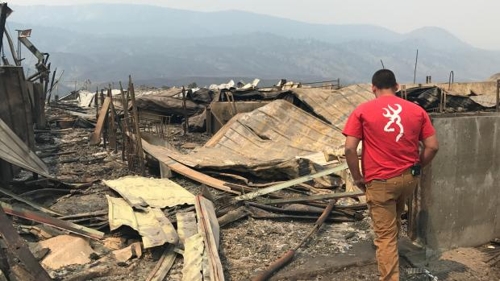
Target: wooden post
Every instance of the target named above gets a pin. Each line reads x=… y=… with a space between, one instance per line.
x=138 y=139
x=111 y=120
x=106 y=125
x=184 y=108
x=102 y=97
x=124 y=122
x=96 y=103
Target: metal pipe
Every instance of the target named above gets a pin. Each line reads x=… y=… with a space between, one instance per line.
x=451 y=79
x=415 y=71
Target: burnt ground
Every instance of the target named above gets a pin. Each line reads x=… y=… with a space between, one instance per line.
x=340 y=251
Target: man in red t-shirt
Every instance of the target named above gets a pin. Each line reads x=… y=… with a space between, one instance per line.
x=391 y=129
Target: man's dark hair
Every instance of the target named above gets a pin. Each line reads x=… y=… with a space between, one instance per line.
x=384 y=79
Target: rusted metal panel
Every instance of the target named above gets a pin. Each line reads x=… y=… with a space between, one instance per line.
x=142 y=192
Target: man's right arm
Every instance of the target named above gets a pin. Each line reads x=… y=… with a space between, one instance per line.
x=431 y=147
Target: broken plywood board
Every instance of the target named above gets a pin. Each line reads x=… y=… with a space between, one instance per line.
x=334 y=106
x=126 y=254
x=265 y=143
x=208 y=227
x=66 y=250
x=95 y=138
x=15 y=151
x=152 y=224
x=142 y=192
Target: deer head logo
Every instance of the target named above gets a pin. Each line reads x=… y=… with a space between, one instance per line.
x=393 y=115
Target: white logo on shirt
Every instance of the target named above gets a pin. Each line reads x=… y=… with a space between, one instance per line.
x=394 y=118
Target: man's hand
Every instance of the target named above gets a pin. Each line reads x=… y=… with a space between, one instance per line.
x=360 y=183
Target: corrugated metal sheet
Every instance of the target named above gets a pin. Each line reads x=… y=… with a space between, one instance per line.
x=186 y=225
x=152 y=224
x=141 y=192
x=193 y=254
x=486 y=101
x=15 y=151
x=334 y=106
x=265 y=142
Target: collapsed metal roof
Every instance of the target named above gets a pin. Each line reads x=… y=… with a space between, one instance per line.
x=266 y=142
x=333 y=107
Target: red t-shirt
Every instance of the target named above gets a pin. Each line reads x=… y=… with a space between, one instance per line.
x=390 y=128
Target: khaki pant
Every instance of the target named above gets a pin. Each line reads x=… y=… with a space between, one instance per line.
x=386 y=200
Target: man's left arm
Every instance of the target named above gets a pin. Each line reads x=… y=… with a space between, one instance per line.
x=351 y=155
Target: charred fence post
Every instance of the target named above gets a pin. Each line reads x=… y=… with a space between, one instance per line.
x=138 y=139
x=124 y=122
x=404 y=92
x=106 y=127
x=102 y=97
x=111 y=122
x=96 y=103
x=184 y=108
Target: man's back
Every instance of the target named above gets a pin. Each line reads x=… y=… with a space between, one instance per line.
x=390 y=128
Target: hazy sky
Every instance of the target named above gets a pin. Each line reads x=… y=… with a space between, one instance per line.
x=475 y=22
